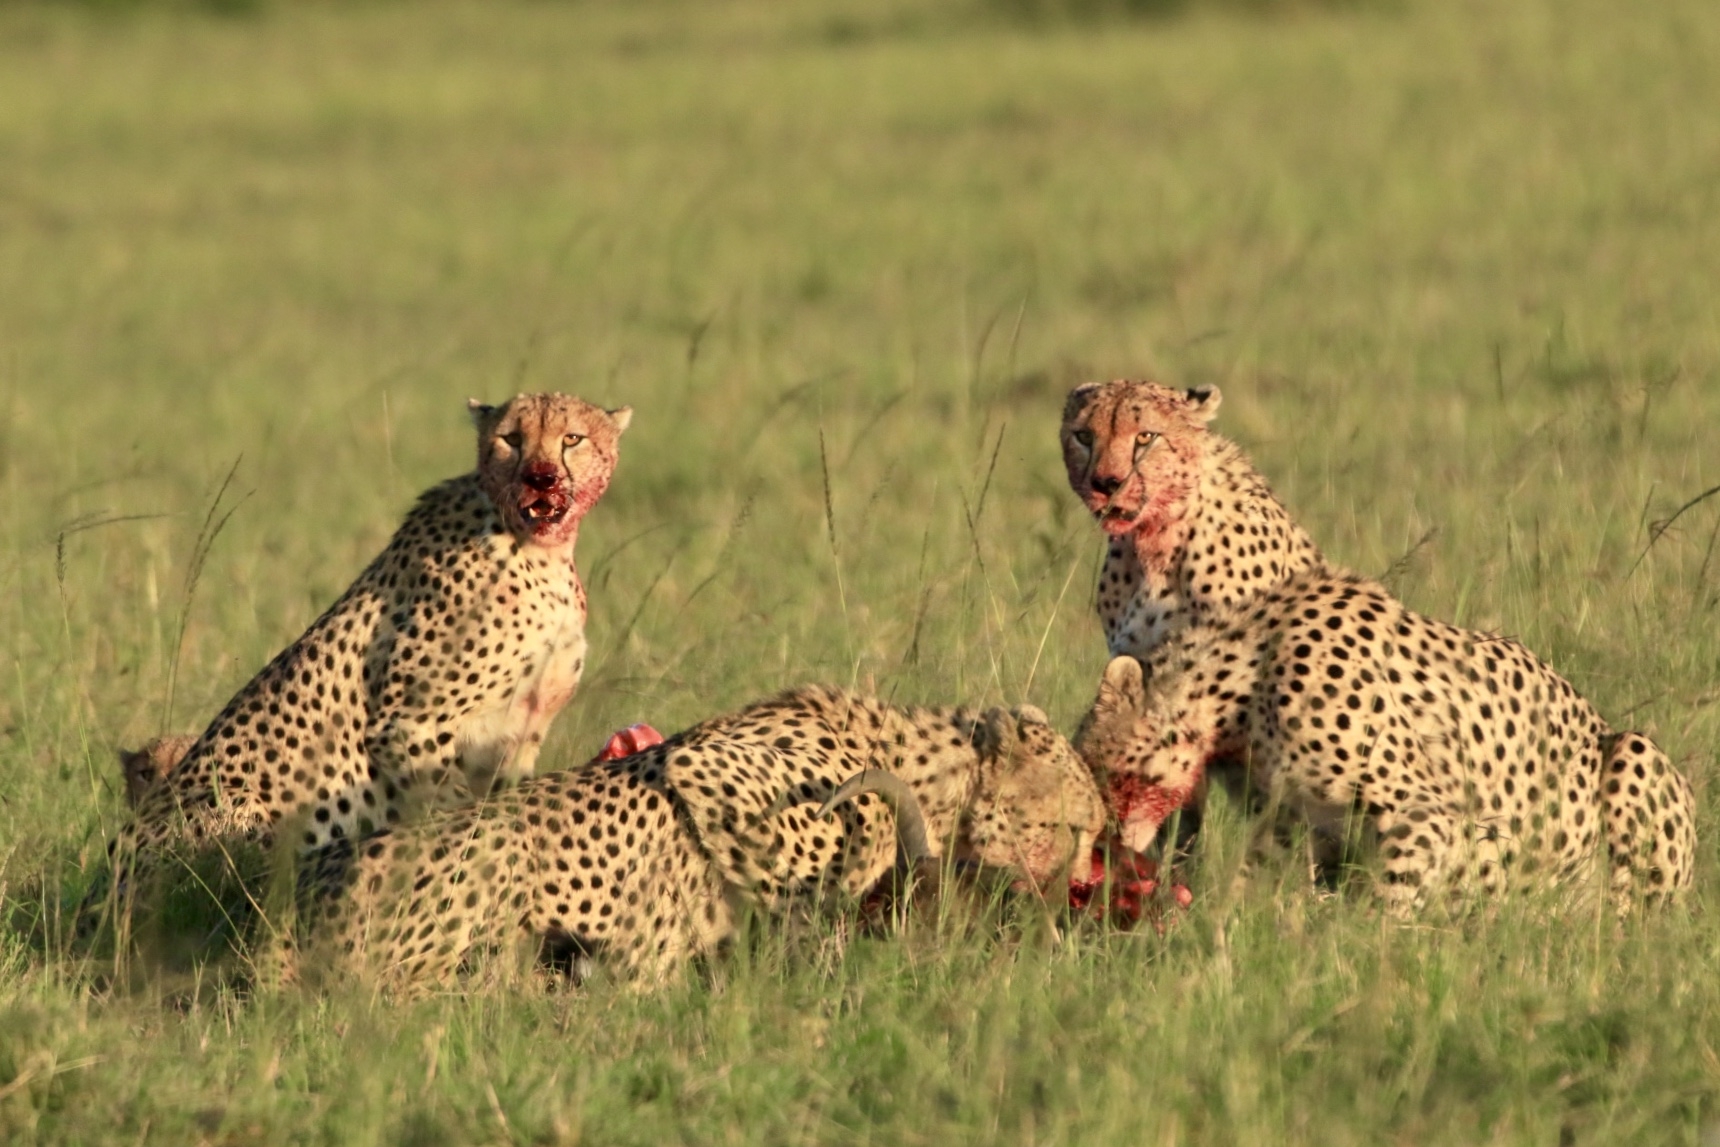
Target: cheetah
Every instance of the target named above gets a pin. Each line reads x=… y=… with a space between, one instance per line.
x=647 y=861
x=143 y=767
x=1193 y=527
x=432 y=679
x=1471 y=764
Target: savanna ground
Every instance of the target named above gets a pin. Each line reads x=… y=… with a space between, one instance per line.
x=1452 y=263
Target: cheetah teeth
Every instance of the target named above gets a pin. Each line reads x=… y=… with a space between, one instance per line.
x=540 y=510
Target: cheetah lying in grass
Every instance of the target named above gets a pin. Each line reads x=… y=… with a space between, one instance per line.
x=434 y=676
x=1473 y=764
x=645 y=861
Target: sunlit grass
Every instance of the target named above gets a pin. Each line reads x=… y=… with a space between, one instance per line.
x=1453 y=265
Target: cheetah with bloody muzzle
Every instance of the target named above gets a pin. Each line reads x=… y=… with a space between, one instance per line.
x=1471 y=763
x=432 y=678
x=1193 y=527
x=646 y=861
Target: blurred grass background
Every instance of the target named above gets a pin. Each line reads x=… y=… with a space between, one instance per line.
x=1454 y=265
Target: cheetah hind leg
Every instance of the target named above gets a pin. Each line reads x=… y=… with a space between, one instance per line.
x=1417 y=846
x=1650 y=829
x=683 y=909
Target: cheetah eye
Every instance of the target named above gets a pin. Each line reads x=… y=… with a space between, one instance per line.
x=1084 y=437
x=1145 y=438
x=514 y=439
x=569 y=441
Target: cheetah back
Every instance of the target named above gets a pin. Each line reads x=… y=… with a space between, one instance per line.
x=597 y=860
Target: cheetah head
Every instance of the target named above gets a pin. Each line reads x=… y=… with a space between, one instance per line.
x=144 y=767
x=1145 y=767
x=1035 y=807
x=545 y=459
x=1133 y=449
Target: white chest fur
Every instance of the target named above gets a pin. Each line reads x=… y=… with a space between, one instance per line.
x=499 y=742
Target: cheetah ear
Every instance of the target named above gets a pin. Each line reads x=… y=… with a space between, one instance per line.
x=1203 y=401
x=1123 y=684
x=994 y=734
x=479 y=411
x=1079 y=398
x=621 y=416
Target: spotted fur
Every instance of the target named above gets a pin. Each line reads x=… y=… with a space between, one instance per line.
x=146 y=765
x=1193 y=527
x=645 y=861
x=1471 y=763
x=434 y=676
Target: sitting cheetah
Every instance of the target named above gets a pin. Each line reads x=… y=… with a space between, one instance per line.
x=438 y=671
x=647 y=859
x=1193 y=526
x=1474 y=764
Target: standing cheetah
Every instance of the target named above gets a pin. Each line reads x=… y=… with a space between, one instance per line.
x=434 y=676
x=1193 y=526
x=646 y=860
x=1474 y=764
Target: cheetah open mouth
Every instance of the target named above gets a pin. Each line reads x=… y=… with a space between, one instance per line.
x=1115 y=519
x=544 y=509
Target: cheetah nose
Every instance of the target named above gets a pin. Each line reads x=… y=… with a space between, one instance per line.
x=1106 y=484
x=541 y=476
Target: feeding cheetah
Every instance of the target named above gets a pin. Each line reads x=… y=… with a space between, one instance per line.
x=1473 y=764
x=1193 y=526
x=645 y=861
x=434 y=676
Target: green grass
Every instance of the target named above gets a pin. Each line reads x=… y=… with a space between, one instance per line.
x=1454 y=265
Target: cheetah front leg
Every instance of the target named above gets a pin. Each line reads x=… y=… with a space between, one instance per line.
x=1285 y=830
x=1650 y=826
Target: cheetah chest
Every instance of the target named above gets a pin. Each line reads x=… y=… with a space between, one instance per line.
x=499 y=741
x=1143 y=622
x=1137 y=607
